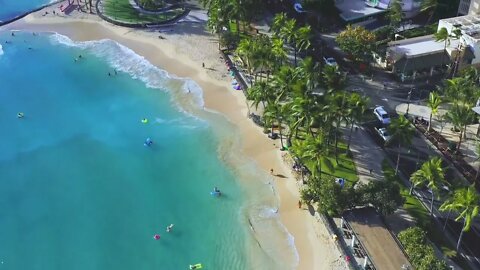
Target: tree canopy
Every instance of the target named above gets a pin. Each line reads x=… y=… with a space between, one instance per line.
x=357 y=42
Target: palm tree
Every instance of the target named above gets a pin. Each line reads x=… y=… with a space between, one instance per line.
x=310 y=71
x=302 y=40
x=395 y=14
x=273 y=114
x=278 y=22
x=333 y=78
x=278 y=52
x=460 y=115
x=245 y=50
x=284 y=81
x=429 y=6
x=313 y=149
x=302 y=110
x=466 y=202
x=259 y=93
x=443 y=35
x=402 y=132
x=261 y=54
x=453 y=88
x=289 y=33
x=357 y=105
x=338 y=106
x=433 y=103
x=432 y=174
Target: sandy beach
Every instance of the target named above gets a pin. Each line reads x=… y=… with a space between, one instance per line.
x=181 y=51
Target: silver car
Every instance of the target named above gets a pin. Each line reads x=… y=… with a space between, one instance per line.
x=382 y=115
x=383 y=132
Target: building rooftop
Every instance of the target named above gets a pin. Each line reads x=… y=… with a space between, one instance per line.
x=415 y=47
x=384 y=251
x=351 y=10
x=469 y=24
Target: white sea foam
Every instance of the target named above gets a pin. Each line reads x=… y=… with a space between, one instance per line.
x=1 y=49
x=266 y=223
x=124 y=59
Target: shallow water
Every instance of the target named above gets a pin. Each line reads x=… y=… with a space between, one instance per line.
x=80 y=190
x=9 y=9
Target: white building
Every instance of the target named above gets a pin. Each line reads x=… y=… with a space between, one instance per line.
x=353 y=11
x=470 y=27
x=424 y=56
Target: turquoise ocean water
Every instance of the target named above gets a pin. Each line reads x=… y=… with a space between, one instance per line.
x=78 y=188
x=11 y=8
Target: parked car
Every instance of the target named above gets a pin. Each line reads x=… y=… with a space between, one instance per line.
x=383 y=132
x=330 y=61
x=382 y=115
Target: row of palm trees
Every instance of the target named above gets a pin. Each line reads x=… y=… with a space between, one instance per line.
x=461 y=93
x=262 y=54
x=464 y=201
x=305 y=103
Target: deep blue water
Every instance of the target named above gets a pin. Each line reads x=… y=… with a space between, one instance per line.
x=11 y=8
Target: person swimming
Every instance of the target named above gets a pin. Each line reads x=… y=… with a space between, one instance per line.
x=169 y=228
x=148 y=142
x=156 y=236
x=20 y=115
x=216 y=192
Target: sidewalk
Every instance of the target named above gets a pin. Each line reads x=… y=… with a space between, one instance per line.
x=367 y=156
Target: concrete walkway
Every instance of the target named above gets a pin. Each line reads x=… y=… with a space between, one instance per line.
x=367 y=156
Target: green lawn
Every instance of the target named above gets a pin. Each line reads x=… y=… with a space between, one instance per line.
x=122 y=11
x=422 y=217
x=345 y=167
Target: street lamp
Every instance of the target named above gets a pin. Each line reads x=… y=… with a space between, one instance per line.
x=408 y=103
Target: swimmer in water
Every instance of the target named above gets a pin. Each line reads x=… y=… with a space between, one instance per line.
x=169 y=228
x=156 y=237
x=20 y=115
x=148 y=142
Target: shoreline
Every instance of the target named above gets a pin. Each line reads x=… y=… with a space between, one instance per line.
x=310 y=236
